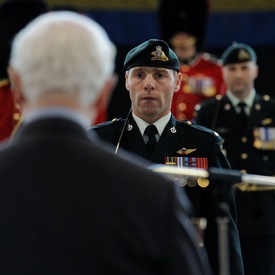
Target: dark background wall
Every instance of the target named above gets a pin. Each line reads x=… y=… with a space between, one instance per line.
x=129 y=23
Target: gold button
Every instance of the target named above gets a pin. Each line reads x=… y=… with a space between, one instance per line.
x=244 y=156
x=184 y=77
x=17 y=106
x=16 y=116
x=244 y=139
x=182 y=106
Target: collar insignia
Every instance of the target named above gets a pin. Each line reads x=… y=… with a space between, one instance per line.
x=258 y=107
x=159 y=55
x=184 y=151
x=129 y=127
x=173 y=130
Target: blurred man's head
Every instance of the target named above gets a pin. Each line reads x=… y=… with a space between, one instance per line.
x=239 y=69
x=62 y=53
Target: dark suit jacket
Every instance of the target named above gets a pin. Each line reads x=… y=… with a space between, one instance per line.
x=256 y=210
x=175 y=136
x=67 y=206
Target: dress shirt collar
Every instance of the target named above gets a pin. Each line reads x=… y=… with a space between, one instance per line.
x=248 y=100
x=160 y=124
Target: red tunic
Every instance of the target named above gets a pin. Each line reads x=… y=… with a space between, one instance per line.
x=9 y=113
x=201 y=80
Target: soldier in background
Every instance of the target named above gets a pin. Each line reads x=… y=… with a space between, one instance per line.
x=14 y=15
x=182 y=24
x=249 y=144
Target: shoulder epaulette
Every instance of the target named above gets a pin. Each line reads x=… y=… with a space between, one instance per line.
x=200 y=127
x=107 y=123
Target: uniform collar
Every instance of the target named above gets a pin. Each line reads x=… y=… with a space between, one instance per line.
x=248 y=100
x=160 y=124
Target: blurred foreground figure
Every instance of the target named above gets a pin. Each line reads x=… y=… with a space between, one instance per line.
x=71 y=206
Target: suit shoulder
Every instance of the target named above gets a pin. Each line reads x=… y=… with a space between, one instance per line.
x=199 y=127
x=114 y=122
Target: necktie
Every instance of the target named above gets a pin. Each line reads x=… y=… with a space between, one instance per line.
x=242 y=114
x=151 y=131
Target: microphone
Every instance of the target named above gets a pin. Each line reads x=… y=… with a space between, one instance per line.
x=214 y=173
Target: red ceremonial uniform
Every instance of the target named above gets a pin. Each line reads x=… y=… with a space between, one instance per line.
x=9 y=114
x=201 y=80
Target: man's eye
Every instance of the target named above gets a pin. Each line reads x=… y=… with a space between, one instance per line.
x=160 y=75
x=139 y=75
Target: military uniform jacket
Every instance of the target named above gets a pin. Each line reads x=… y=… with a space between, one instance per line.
x=256 y=210
x=184 y=135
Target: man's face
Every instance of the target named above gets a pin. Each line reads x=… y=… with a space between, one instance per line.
x=151 y=91
x=184 y=45
x=240 y=78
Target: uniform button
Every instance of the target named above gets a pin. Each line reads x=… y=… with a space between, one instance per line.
x=244 y=156
x=16 y=116
x=184 y=77
x=182 y=106
x=244 y=139
x=265 y=158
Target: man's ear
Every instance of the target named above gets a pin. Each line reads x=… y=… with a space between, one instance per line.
x=16 y=85
x=126 y=80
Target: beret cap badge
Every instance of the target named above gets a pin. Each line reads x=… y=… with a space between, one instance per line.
x=159 y=55
x=243 y=55
x=238 y=53
x=152 y=53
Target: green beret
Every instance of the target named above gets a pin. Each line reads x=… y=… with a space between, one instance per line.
x=238 y=53
x=152 y=53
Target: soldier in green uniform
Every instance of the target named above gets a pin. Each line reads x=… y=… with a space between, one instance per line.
x=249 y=144
x=152 y=77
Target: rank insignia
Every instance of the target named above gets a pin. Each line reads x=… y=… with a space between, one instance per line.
x=184 y=151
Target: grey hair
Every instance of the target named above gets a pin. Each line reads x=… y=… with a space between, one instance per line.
x=66 y=52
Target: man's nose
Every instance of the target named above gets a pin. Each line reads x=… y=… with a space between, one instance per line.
x=149 y=83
